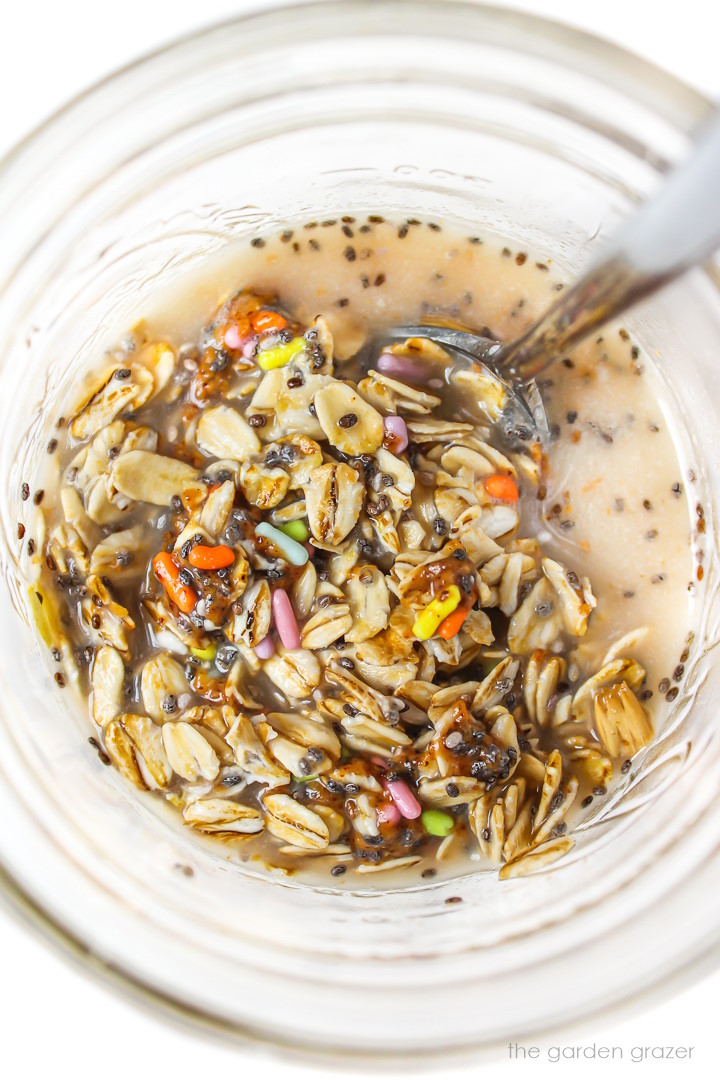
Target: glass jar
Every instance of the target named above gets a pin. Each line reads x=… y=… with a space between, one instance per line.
x=455 y=110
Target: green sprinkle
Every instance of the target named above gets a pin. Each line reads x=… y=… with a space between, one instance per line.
x=437 y=823
x=204 y=654
x=297 y=530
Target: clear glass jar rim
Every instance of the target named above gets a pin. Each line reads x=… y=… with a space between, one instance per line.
x=521 y=31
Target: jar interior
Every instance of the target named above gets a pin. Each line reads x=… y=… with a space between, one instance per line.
x=488 y=157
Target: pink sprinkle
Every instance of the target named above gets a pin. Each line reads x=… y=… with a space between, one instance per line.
x=396 y=433
x=285 y=621
x=388 y=812
x=402 y=367
x=249 y=349
x=233 y=340
x=266 y=648
x=403 y=798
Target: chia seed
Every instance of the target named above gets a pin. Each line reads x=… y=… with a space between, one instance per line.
x=100 y=752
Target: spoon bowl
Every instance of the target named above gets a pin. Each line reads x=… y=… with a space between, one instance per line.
x=674 y=230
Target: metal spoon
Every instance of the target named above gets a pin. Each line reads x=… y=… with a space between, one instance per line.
x=676 y=229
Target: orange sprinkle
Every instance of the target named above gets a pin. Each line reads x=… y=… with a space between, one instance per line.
x=205 y=557
x=451 y=624
x=264 y=321
x=501 y=488
x=168 y=574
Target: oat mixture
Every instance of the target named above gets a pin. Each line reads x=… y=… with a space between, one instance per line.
x=301 y=598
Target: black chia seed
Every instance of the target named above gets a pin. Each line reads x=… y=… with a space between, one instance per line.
x=100 y=752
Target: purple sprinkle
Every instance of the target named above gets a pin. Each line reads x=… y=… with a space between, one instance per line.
x=402 y=367
x=285 y=621
x=232 y=338
x=397 y=433
x=266 y=648
x=403 y=798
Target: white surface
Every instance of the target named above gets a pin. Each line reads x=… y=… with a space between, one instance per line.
x=53 y=1016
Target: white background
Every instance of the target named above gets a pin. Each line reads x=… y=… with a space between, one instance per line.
x=52 y=1017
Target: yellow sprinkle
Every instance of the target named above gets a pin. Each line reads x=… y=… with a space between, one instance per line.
x=280 y=355
x=438 y=609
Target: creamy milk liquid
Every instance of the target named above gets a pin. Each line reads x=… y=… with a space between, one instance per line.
x=615 y=503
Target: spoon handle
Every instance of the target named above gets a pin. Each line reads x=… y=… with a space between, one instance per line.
x=672 y=231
